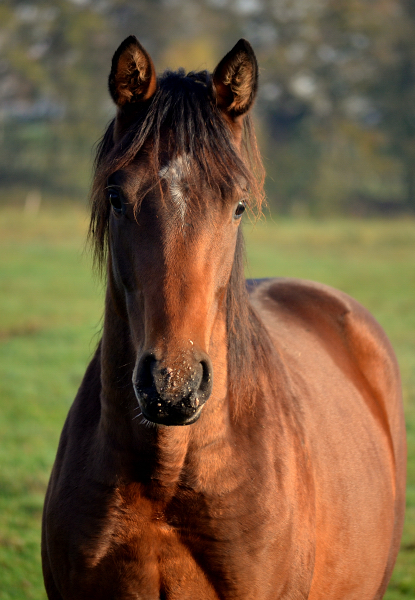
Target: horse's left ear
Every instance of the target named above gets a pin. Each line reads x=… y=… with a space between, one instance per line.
x=235 y=80
x=133 y=78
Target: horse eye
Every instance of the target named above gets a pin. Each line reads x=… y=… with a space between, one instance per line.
x=116 y=201
x=239 y=209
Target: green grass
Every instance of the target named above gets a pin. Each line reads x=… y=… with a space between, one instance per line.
x=50 y=316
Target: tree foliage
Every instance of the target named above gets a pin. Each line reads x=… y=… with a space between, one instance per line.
x=335 y=113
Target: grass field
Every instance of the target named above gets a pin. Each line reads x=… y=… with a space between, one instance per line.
x=50 y=317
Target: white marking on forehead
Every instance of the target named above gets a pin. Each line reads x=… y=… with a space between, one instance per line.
x=174 y=173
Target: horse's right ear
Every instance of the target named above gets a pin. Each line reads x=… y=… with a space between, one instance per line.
x=235 y=81
x=133 y=78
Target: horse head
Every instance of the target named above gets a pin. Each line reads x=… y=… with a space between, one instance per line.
x=176 y=185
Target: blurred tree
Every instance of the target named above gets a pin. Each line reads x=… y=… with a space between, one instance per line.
x=394 y=91
x=335 y=112
x=50 y=97
x=331 y=103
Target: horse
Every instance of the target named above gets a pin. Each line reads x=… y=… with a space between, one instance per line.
x=230 y=440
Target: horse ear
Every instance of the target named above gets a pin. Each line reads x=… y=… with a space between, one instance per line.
x=235 y=80
x=133 y=78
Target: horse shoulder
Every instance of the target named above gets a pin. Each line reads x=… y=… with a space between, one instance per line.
x=338 y=359
x=345 y=374
x=64 y=519
x=83 y=416
x=346 y=330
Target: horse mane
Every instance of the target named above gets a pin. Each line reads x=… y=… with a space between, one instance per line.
x=183 y=113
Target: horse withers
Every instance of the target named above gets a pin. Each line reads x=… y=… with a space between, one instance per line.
x=230 y=440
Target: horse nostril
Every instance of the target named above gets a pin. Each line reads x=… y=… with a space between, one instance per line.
x=145 y=372
x=205 y=385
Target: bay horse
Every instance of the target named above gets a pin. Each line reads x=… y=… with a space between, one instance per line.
x=230 y=440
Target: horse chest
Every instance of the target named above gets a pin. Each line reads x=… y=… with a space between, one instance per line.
x=154 y=555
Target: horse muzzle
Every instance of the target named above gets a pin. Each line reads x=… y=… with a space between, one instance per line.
x=173 y=395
